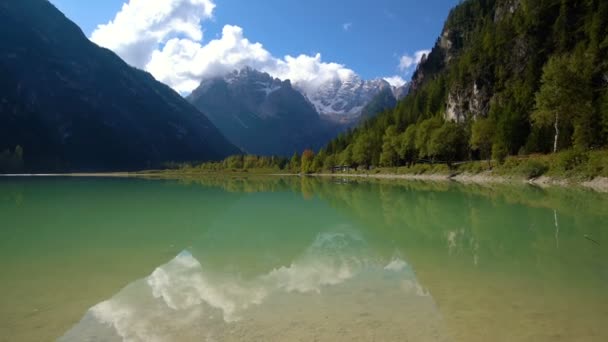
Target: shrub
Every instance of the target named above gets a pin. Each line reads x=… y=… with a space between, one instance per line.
x=597 y=164
x=499 y=152
x=570 y=160
x=532 y=168
x=511 y=163
x=474 y=167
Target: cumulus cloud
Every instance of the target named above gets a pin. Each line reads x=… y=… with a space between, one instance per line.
x=406 y=62
x=165 y=38
x=182 y=63
x=308 y=72
x=141 y=25
x=395 y=81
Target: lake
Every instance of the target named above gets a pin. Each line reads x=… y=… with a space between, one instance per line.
x=300 y=259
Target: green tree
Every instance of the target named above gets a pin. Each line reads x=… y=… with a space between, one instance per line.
x=308 y=157
x=482 y=137
x=499 y=151
x=565 y=96
x=294 y=162
x=330 y=162
x=250 y=162
x=234 y=162
x=319 y=161
x=407 y=144
x=346 y=157
x=362 y=150
x=448 y=142
x=560 y=28
x=424 y=133
x=390 y=144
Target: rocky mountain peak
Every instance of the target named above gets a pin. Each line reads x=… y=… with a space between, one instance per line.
x=343 y=99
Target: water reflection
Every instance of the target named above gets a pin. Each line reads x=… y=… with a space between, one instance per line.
x=336 y=282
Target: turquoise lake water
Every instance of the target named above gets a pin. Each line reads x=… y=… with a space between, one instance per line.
x=300 y=259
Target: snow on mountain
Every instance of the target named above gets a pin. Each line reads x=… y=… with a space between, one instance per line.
x=262 y=114
x=256 y=81
x=343 y=99
x=339 y=100
x=401 y=92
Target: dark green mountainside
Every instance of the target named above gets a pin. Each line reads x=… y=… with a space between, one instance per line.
x=72 y=106
x=505 y=77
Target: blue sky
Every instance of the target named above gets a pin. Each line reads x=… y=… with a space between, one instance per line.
x=368 y=37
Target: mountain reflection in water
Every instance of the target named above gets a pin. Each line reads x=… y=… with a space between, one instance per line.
x=337 y=282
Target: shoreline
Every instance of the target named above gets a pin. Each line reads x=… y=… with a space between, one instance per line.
x=76 y=174
x=598 y=184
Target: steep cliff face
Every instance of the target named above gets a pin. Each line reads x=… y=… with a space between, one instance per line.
x=468 y=103
x=505 y=8
x=72 y=105
x=471 y=99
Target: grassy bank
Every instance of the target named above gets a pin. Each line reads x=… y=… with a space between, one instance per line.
x=563 y=168
x=566 y=165
x=588 y=169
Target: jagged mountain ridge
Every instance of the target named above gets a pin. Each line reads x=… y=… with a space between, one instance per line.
x=74 y=106
x=267 y=116
x=343 y=100
x=261 y=114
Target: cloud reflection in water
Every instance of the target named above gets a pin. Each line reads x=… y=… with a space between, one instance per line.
x=182 y=299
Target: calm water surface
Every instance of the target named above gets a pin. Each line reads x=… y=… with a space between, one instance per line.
x=300 y=259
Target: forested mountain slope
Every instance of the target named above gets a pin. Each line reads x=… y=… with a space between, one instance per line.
x=505 y=77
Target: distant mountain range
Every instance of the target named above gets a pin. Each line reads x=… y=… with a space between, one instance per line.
x=73 y=106
x=261 y=114
x=264 y=115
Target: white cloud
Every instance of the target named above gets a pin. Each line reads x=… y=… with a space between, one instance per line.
x=406 y=62
x=141 y=25
x=347 y=26
x=182 y=63
x=165 y=38
x=395 y=81
x=308 y=72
